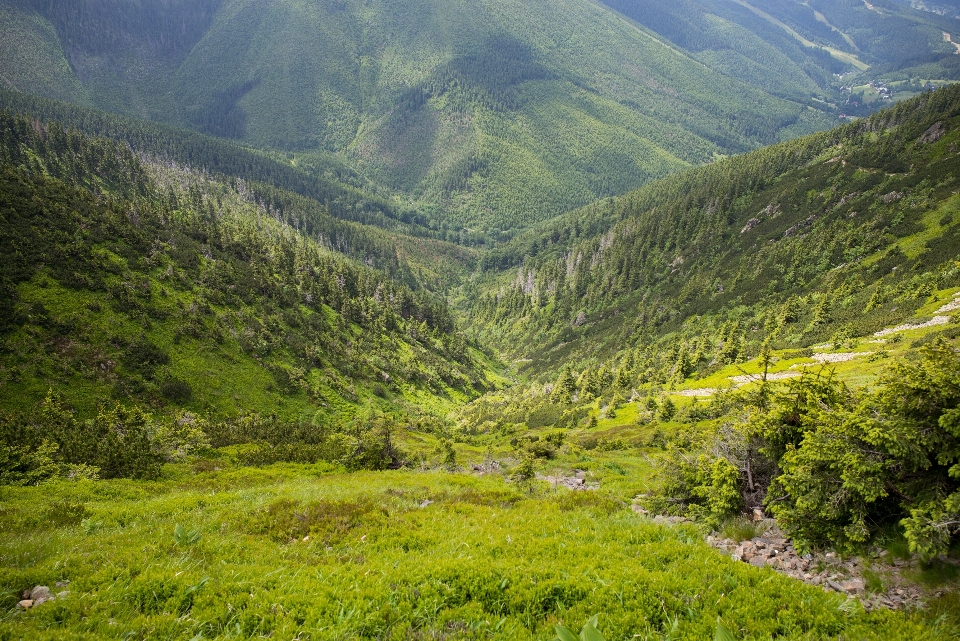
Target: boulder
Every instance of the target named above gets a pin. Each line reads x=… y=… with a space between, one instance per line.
x=40 y=595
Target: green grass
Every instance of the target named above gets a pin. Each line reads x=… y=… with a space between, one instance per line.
x=369 y=562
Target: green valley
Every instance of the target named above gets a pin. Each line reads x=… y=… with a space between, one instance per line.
x=495 y=320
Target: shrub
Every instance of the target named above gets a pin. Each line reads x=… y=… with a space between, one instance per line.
x=117 y=440
x=26 y=465
x=176 y=390
x=182 y=436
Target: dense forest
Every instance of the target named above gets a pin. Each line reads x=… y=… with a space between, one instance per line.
x=384 y=92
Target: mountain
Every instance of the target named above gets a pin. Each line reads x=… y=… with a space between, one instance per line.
x=791 y=48
x=838 y=233
x=487 y=115
x=245 y=392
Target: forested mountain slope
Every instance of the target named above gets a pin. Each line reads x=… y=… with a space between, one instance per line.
x=837 y=233
x=496 y=114
x=342 y=191
x=130 y=278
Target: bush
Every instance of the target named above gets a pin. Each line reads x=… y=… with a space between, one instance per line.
x=835 y=466
x=25 y=465
x=176 y=390
x=182 y=436
x=117 y=442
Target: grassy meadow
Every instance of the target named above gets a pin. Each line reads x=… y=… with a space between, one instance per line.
x=308 y=552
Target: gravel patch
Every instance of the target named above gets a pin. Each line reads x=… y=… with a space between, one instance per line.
x=949 y=307
x=933 y=322
x=701 y=391
x=753 y=378
x=843 y=357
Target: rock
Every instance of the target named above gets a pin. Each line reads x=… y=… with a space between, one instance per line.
x=63 y=594
x=933 y=134
x=426 y=503
x=63 y=584
x=853 y=586
x=758 y=561
x=40 y=595
x=26 y=604
x=639 y=510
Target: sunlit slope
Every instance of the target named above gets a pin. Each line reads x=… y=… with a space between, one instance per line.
x=834 y=235
x=127 y=278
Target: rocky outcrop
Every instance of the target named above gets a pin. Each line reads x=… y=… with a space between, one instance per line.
x=852 y=577
x=576 y=482
x=933 y=134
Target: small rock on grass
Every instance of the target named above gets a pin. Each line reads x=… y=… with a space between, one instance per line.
x=40 y=595
x=37 y=596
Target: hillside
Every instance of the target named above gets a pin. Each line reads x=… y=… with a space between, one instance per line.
x=466 y=110
x=149 y=283
x=776 y=332
x=790 y=243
